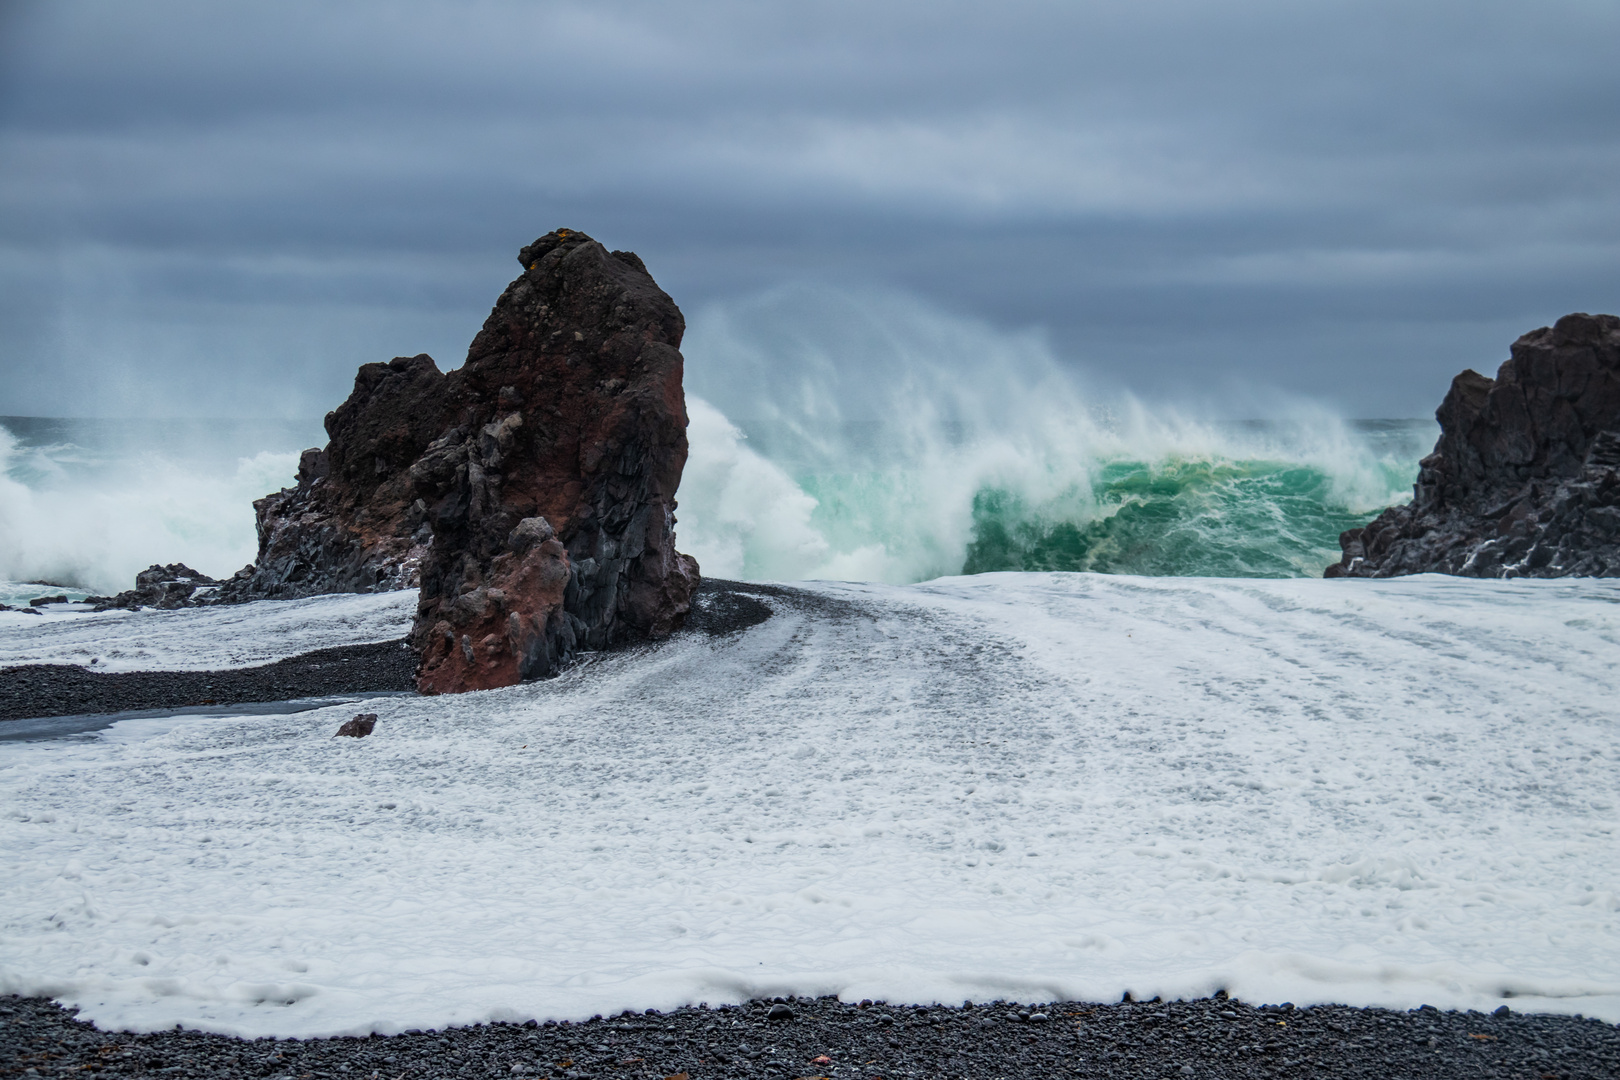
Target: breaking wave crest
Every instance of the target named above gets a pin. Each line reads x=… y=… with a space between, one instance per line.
x=875 y=439
x=85 y=504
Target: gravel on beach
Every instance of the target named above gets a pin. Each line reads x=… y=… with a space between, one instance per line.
x=1209 y=1038
x=39 y=690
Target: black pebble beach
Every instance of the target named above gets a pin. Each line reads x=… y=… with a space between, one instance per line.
x=39 y=690
x=1210 y=1038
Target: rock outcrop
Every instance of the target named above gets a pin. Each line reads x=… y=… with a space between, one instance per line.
x=529 y=493
x=352 y=523
x=362 y=725
x=551 y=495
x=173 y=586
x=1525 y=478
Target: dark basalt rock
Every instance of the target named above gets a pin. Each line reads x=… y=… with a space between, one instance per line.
x=1525 y=478
x=173 y=586
x=551 y=498
x=529 y=493
x=351 y=523
x=362 y=725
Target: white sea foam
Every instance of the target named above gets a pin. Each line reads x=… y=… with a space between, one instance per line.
x=93 y=520
x=202 y=639
x=1375 y=792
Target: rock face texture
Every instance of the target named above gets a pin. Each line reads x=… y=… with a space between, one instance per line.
x=361 y=532
x=352 y=524
x=362 y=725
x=1525 y=479
x=551 y=493
x=174 y=586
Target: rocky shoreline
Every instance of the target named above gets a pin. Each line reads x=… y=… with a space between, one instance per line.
x=1524 y=480
x=1213 y=1037
x=793 y=1038
x=529 y=494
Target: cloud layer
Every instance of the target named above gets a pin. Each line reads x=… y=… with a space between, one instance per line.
x=210 y=208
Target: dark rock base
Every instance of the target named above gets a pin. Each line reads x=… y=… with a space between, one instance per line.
x=1212 y=1037
x=37 y=690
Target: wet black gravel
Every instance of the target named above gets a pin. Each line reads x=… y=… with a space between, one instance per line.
x=37 y=690
x=725 y=607
x=1201 y=1039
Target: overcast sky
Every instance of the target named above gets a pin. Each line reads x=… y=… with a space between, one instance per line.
x=215 y=208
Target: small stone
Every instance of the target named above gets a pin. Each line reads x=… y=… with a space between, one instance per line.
x=779 y=1012
x=1502 y=1010
x=359 y=727
x=1186 y=1070
x=1038 y=1018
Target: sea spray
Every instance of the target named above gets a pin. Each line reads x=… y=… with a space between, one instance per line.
x=872 y=438
x=87 y=503
x=832 y=436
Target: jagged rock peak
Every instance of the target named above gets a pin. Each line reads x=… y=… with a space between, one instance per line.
x=1523 y=479
x=551 y=491
x=530 y=493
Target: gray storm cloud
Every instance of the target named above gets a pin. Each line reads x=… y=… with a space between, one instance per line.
x=224 y=209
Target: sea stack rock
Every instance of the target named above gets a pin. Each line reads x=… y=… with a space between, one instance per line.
x=1525 y=478
x=551 y=495
x=529 y=493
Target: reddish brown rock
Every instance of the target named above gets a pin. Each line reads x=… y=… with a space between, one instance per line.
x=530 y=493
x=551 y=497
x=1525 y=478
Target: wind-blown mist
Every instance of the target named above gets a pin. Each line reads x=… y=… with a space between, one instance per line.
x=87 y=504
x=832 y=436
x=872 y=438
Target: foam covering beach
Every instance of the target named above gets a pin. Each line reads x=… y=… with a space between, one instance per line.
x=1024 y=786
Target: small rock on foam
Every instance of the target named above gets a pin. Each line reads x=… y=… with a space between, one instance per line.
x=359 y=727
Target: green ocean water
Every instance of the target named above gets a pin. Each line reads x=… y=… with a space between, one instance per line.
x=1175 y=518
x=1262 y=501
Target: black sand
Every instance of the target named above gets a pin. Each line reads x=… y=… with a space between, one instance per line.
x=36 y=690
x=41 y=690
x=1211 y=1038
